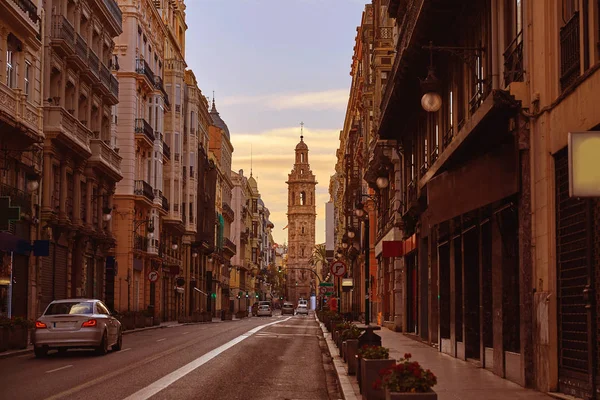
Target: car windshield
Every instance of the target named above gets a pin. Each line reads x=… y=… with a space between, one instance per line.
x=76 y=307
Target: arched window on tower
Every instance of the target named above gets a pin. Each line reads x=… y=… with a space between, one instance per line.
x=303 y=230
x=302 y=199
x=302 y=171
x=301 y=157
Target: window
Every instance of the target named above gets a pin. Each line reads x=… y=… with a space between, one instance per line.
x=27 y=78
x=302 y=157
x=192 y=164
x=178 y=95
x=10 y=69
x=176 y=144
x=302 y=198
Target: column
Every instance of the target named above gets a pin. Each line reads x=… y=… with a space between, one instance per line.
x=88 y=200
x=63 y=190
x=47 y=182
x=99 y=202
x=77 y=195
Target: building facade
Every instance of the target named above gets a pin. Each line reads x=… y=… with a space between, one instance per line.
x=302 y=216
x=477 y=244
x=21 y=151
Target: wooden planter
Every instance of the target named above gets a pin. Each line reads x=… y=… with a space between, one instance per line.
x=369 y=370
x=351 y=355
x=410 y=396
x=343 y=351
x=17 y=337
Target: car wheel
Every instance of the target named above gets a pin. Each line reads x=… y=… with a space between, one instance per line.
x=40 y=352
x=103 y=348
x=117 y=346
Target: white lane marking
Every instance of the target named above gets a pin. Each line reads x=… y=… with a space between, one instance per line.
x=24 y=355
x=124 y=350
x=174 y=376
x=160 y=340
x=58 y=369
x=185 y=333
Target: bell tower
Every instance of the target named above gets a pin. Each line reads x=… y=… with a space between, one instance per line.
x=302 y=218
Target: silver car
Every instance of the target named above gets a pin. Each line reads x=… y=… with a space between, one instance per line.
x=76 y=323
x=302 y=309
x=264 y=310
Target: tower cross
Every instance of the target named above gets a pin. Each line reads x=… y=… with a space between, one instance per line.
x=301 y=130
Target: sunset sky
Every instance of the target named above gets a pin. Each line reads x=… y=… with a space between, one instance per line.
x=274 y=64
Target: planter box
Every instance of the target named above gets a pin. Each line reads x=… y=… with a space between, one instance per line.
x=128 y=322
x=369 y=370
x=410 y=396
x=343 y=351
x=351 y=355
x=140 y=321
x=17 y=337
x=3 y=339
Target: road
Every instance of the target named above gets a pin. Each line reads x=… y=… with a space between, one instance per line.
x=256 y=358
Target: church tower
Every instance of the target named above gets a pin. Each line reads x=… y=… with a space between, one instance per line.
x=302 y=217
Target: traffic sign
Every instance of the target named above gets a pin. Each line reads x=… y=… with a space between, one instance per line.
x=152 y=276
x=338 y=268
x=326 y=284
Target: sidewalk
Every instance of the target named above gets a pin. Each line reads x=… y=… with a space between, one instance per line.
x=457 y=379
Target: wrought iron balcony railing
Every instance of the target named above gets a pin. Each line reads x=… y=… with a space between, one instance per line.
x=142 y=126
x=140 y=242
x=114 y=86
x=81 y=47
x=143 y=68
x=30 y=8
x=513 y=61
x=115 y=11
x=62 y=29
x=165 y=203
x=166 y=150
x=94 y=63
x=143 y=188
x=569 y=52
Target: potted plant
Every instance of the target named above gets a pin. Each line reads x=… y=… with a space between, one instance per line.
x=407 y=380
x=351 y=351
x=372 y=360
x=128 y=320
x=140 y=319
x=18 y=336
x=149 y=317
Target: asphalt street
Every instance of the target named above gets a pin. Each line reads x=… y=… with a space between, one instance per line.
x=257 y=358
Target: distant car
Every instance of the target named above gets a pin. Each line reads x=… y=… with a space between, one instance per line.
x=76 y=323
x=302 y=309
x=264 y=310
x=287 y=308
x=254 y=309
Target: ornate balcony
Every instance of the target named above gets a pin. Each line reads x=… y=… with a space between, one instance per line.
x=105 y=159
x=115 y=11
x=385 y=35
x=140 y=242
x=569 y=52
x=64 y=127
x=513 y=61
x=165 y=204
x=20 y=113
x=81 y=49
x=62 y=35
x=114 y=88
x=143 y=188
x=229 y=247
x=228 y=212
x=94 y=64
x=142 y=68
x=158 y=83
x=142 y=127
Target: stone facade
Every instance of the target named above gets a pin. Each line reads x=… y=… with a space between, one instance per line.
x=301 y=226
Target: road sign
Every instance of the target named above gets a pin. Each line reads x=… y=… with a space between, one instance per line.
x=152 y=276
x=322 y=291
x=326 y=284
x=338 y=268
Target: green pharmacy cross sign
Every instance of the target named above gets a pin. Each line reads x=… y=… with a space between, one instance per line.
x=326 y=288
x=8 y=214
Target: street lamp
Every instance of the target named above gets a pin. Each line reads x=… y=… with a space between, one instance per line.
x=194 y=254
x=360 y=212
x=382 y=182
x=174 y=246
x=351 y=233
x=33 y=183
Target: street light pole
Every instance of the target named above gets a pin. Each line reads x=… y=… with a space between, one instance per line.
x=367 y=272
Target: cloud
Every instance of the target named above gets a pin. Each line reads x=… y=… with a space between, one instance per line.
x=334 y=99
x=271 y=154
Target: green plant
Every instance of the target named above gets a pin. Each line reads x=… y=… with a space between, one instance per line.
x=374 y=352
x=24 y=322
x=406 y=377
x=343 y=326
x=351 y=333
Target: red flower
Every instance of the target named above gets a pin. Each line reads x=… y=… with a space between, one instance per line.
x=407 y=355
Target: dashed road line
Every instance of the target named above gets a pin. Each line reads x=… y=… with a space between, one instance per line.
x=160 y=340
x=58 y=369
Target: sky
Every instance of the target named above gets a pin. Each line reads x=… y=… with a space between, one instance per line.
x=273 y=64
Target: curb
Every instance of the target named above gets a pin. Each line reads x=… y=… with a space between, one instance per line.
x=15 y=353
x=346 y=385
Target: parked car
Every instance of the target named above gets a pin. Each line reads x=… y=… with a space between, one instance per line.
x=302 y=309
x=264 y=310
x=287 y=308
x=76 y=323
